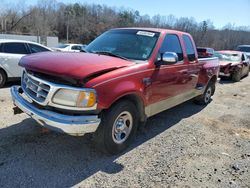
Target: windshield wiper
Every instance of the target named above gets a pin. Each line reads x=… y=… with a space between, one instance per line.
x=109 y=54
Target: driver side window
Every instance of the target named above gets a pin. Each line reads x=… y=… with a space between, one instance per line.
x=171 y=43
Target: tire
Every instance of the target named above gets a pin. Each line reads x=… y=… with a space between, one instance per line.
x=236 y=76
x=3 y=78
x=205 y=98
x=113 y=135
x=248 y=71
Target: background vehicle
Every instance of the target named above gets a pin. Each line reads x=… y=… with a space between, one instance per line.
x=204 y=52
x=233 y=64
x=244 y=48
x=11 y=52
x=70 y=47
x=126 y=76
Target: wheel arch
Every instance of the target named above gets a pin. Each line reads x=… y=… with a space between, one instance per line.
x=1 y=69
x=213 y=81
x=135 y=99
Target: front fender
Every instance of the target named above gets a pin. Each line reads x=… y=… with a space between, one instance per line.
x=6 y=71
x=236 y=67
x=109 y=93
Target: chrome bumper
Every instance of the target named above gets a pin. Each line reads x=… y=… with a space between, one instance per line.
x=72 y=125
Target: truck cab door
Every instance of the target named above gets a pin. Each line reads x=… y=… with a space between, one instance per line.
x=168 y=82
x=11 y=54
x=191 y=60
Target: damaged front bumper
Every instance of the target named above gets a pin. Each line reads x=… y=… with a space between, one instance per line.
x=73 y=125
x=225 y=70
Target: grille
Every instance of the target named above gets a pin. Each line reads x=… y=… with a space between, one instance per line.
x=36 y=89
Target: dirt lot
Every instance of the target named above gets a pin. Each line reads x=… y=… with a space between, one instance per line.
x=187 y=146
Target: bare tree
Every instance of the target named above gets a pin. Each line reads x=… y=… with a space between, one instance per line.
x=83 y=22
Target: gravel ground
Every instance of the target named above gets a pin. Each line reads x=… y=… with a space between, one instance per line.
x=186 y=146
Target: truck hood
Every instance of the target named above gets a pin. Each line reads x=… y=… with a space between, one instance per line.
x=72 y=65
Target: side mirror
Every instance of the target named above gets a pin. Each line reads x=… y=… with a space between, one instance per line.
x=167 y=58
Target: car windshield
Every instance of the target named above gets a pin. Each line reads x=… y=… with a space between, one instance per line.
x=62 y=46
x=126 y=43
x=228 y=57
x=243 y=49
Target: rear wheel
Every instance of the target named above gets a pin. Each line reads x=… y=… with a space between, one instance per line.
x=3 y=78
x=236 y=76
x=117 y=129
x=205 y=98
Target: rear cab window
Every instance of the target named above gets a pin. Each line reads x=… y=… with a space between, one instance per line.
x=172 y=43
x=190 y=49
x=210 y=50
x=14 y=48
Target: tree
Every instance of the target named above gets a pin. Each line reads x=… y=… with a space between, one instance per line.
x=81 y=23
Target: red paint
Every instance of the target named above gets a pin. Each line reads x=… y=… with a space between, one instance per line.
x=165 y=81
x=71 y=64
x=228 y=67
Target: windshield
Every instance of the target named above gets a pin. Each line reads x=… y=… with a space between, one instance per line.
x=244 y=49
x=62 y=46
x=127 y=43
x=228 y=57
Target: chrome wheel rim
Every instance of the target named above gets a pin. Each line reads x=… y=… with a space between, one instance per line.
x=122 y=127
x=208 y=95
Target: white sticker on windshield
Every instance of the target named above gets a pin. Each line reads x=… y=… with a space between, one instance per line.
x=145 y=33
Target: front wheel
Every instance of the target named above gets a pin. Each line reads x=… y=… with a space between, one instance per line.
x=236 y=76
x=118 y=127
x=248 y=71
x=205 y=98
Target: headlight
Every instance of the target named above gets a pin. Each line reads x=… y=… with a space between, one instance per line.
x=75 y=98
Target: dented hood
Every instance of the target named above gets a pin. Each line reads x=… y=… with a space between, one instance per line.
x=231 y=63
x=72 y=65
x=225 y=63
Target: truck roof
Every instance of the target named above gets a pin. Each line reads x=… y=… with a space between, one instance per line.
x=160 y=30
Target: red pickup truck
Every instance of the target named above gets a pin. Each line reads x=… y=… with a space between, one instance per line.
x=124 y=77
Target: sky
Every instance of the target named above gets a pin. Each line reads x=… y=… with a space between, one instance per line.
x=220 y=12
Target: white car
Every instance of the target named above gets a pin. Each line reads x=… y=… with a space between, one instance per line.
x=70 y=47
x=244 y=48
x=11 y=52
